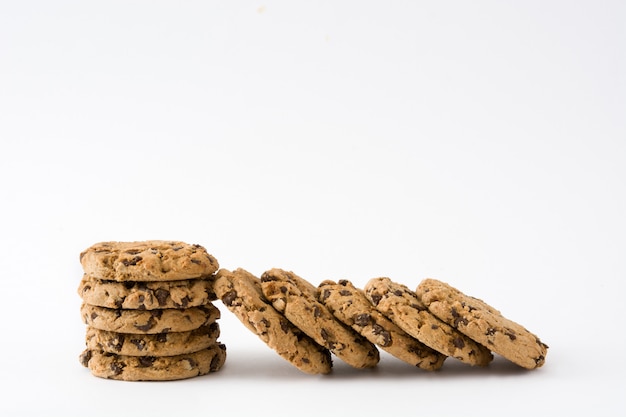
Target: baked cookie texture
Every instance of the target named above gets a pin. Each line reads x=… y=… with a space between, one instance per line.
x=159 y=344
x=153 y=260
x=142 y=295
x=483 y=323
x=403 y=307
x=240 y=291
x=297 y=299
x=149 y=321
x=154 y=368
x=350 y=305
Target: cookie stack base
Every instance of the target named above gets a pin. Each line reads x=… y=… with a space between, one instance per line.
x=154 y=368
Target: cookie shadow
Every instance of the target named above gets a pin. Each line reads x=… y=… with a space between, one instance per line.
x=392 y=368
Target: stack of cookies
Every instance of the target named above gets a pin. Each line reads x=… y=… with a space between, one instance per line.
x=305 y=323
x=149 y=312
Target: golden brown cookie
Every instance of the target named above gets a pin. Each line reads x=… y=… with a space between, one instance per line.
x=148 y=321
x=296 y=298
x=154 y=368
x=142 y=295
x=152 y=260
x=483 y=323
x=240 y=291
x=160 y=344
x=350 y=305
x=402 y=306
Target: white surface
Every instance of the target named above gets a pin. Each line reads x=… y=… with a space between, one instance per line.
x=481 y=143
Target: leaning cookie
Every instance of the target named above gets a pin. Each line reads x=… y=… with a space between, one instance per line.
x=148 y=321
x=240 y=291
x=296 y=298
x=160 y=344
x=141 y=295
x=154 y=368
x=402 y=306
x=483 y=323
x=152 y=260
x=350 y=305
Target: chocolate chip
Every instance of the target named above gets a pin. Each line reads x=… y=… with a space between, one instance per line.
x=283 y=289
x=116 y=343
x=285 y=326
x=184 y=302
x=195 y=261
x=132 y=262
x=117 y=368
x=399 y=293
x=306 y=360
x=84 y=358
x=362 y=319
x=317 y=311
x=133 y=251
x=345 y=293
x=325 y=335
x=376 y=299
x=458 y=342
x=161 y=337
x=215 y=363
x=511 y=334
x=434 y=326
x=378 y=330
x=94 y=316
x=145 y=327
x=161 y=296
x=229 y=298
x=490 y=331
x=325 y=294
x=146 y=361
x=140 y=343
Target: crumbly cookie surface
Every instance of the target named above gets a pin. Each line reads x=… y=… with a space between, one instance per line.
x=153 y=260
x=148 y=321
x=142 y=295
x=483 y=323
x=240 y=291
x=350 y=305
x=160 y=344
x=154 y=368
x=402 y=306
x=296 y=298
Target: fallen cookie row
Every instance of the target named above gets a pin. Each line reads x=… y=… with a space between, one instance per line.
x=305 y=323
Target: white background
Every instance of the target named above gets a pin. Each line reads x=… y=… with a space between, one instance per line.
x=480 y=143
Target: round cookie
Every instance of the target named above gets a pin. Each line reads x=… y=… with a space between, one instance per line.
x=148 y=321
x=350 y=305
x=160 y=344
x=483 y=323
x=296 y=298
x=154 y=368
x=240 y=291
x=140 y=295
x=152 y=260
x=402 y=306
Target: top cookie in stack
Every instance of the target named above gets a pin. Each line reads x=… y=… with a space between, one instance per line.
x=148 y=307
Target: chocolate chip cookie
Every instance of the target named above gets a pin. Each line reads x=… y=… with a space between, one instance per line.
x=154 y=368
x=154 y=260
x=240 y=291
x=350 y=305
x=160 y=344
x=148 y=321
x=483 y=323
x=296 y=298
x=403 y=307
x=142 y=295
